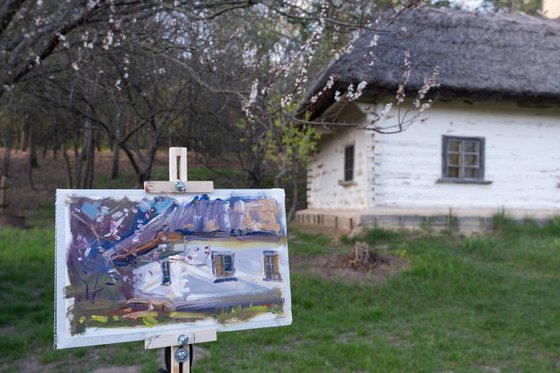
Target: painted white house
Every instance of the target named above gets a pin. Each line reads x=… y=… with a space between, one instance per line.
x=490 y=141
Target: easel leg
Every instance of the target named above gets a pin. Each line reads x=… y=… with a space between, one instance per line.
x=172 y=365
x=175 y=366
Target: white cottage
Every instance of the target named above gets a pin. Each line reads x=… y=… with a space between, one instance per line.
x=491 y=140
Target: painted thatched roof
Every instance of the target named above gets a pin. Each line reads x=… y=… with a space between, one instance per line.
x=481 y=57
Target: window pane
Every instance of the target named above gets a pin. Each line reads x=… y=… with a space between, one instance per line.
x=228 y=263
x=452 y=171
x=471 y=146
x=453 y=160
x=471 y=173
x=471 y=160
x=349 y=163
x=453 y=145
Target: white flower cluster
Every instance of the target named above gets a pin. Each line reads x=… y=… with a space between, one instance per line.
x=328 y=85
x=85 y=40
x=359 y=90
x=247 y=104
x=107 y=40
x=249 y=56
x=401 y=94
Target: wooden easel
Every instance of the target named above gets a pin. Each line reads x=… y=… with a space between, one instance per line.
x=179 y=341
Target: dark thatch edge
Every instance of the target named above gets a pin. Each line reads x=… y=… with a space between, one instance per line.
x=482 y=57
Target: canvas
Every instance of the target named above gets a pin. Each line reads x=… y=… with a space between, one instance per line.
x=130 y=264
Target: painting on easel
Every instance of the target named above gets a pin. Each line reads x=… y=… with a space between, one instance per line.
x=130 y=264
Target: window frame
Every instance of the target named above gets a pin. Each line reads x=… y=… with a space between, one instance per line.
x=461 y=178
x=166 y=272
x=271 y=266
x=350 y=168
x=219 y=271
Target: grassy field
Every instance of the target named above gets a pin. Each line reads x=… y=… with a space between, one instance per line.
x=480 y=304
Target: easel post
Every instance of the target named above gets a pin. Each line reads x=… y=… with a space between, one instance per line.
x=179 y=342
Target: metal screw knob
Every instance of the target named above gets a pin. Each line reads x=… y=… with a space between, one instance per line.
x=180 y=186
x=181 y=355
x=182 y=340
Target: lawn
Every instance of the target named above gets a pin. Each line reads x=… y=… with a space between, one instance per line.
x=464 y=304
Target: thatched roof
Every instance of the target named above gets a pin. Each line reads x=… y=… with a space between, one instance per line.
x=481 y=57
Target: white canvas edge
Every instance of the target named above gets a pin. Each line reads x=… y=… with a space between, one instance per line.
x=62 y=339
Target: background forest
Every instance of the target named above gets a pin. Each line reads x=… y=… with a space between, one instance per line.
x=82 y=79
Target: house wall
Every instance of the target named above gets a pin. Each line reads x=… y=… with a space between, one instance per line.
x=522 y=159
x=326 y=170
x=551 y=8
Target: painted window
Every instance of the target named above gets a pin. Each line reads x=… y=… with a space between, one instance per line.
x=463 y=158
x=349 y=163
x=166 y=275
x=223 y=266
x=270 y=261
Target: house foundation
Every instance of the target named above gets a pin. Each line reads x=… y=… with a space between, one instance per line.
x=436 y=220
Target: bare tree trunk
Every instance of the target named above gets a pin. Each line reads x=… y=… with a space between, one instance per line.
x=24 y=137
x=88 y=155
x=7 y=151
x=116 y=148
x=295 y=190
x=30 y=171
x=69 y=183
x=148 y=163
x=77 y=160
x=33 y=159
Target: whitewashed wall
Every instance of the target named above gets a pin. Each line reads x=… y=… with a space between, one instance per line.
x=326 y=171
x=522 y=159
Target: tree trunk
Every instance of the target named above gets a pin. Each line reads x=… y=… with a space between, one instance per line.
x=69 y=184
x=88 y=155
x=116 y=148
x=7 y=151
x=24 y=137
x=148 y=163
x=77 y=161
x=295 y=190
x=33 y=159
x=30 y=171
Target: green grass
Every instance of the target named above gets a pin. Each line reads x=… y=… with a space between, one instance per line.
x=476 y=304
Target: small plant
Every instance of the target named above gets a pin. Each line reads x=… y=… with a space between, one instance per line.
x=502 y=222
x=452 y=224
x=377 y=234
x=553 y=226
x=346 y=240
x=426 y=224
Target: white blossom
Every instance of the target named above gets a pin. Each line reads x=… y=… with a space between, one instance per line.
x=108 y=40
x=249 y=56
x=92 y=4
x=337 y=96
x=254 y=92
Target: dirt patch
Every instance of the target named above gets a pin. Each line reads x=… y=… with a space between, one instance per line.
x=364 y=259
x=324 y=230
x=334 y=267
